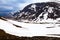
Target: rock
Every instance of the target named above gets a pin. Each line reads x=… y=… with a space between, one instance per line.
x=39 y=11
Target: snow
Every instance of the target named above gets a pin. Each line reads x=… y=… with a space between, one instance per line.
x=34 y=6
x=50 y=9
x=29 y=29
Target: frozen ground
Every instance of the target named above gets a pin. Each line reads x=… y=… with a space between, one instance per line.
x=29 y=29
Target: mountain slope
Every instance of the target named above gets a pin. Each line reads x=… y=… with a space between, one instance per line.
x=37 y=12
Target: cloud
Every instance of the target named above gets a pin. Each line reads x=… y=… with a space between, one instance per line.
x=6 y=7
x=27 y=2
x=17 y=4
x=42 y=0
x=9 y=4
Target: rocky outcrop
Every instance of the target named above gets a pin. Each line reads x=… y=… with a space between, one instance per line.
x=39 y=11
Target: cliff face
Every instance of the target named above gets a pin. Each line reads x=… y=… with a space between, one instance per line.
x=39 y=11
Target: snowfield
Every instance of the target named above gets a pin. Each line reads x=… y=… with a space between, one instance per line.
x=29 y=29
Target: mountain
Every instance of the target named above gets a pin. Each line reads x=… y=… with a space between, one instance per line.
x=39 y=11
x=5 y=12
x=6 y=15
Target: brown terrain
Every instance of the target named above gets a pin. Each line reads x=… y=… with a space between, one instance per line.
x=6 y=36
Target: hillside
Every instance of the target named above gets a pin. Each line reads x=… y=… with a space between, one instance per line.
x=37 y=12
x=5 y=36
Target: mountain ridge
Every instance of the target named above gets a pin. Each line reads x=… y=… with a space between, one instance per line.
x=39 y=11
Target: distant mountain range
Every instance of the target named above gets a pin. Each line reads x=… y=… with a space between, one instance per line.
x=39 y=11
x=5 y=12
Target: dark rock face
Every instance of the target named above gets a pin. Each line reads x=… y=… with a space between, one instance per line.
x=40 y=11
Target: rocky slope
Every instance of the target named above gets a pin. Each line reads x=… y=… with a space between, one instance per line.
x=37 y=12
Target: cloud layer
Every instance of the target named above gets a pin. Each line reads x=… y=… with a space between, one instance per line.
x=17 y=4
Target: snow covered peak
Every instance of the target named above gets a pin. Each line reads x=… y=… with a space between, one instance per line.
x=39 y=11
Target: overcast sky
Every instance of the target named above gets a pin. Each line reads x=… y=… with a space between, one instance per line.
x=17 y=4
